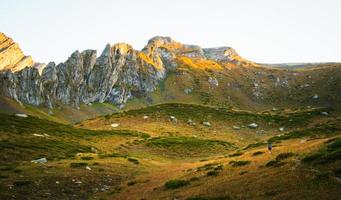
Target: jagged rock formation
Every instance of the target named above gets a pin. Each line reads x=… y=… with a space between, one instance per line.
x=11 y=56
x=121 y=73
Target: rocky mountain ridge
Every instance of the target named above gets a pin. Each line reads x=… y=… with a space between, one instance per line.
x=169 y=71
x=12 y=58
x=119 y=73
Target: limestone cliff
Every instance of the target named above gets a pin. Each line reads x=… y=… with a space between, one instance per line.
x=11 y=56
x=118 y=74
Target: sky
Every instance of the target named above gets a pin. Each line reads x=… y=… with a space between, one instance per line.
x=264 y=31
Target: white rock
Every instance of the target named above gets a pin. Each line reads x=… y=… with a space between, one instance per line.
x=57 y=182
x=88 y=168
x=40 y=160
x=213 y=81
x=253 y=125
x=21 y=115
x=173 y=119
x=206 y=123
x=38 y=135
x=315 y=96
x=188 y=90
x=145 y=117
x=281 y=129
x=115 y=125
x=236 y=127
x=190 y=122
x=324 y=113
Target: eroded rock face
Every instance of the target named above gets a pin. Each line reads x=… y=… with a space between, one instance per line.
x=118 y=74
x=11 y=56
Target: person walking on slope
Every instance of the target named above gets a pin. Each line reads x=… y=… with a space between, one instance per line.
x=269 y=146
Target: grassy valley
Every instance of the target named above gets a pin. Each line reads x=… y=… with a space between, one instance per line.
x=168 y=151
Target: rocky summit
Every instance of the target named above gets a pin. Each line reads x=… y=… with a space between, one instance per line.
x=118 y=74
x=11 y=56
x=163 y=71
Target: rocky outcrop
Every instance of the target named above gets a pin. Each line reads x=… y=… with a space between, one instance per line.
x=11 y=56
x=118 y=74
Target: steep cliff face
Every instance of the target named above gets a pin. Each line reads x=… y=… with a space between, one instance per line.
x=11 y=56
x=190 y=73
x=118 y=74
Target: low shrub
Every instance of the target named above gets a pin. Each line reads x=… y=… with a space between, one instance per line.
x=257 y=153
x=239 y=163
x=133 y=160
x=283 y=156
x=212 y=173
x=274 y=163
x=77 y=165
x=87 y=158
x=174 y=184
x=236 y=154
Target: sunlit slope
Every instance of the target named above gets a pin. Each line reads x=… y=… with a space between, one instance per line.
x=246 y=87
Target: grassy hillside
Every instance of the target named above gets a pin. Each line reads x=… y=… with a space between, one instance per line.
x=246 y=87
x=150 y=155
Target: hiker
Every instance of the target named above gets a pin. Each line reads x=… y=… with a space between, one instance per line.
x=269 y=146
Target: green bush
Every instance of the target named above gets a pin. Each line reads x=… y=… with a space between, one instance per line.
x=87 y=158
x=236 y=154
x=174 y=184
x=257 y=153
x=239 y=163
x=212 y=173
x=328 y=154
x=77 y=165
x=133 y=160
x=283 y=156
x=274 y=163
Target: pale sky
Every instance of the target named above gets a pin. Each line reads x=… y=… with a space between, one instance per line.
x=267 y=31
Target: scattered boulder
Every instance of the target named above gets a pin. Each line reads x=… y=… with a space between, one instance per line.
x=88 y=168
x=281 y=129
x=206 y=124
x=173 y=119
x=236 y=127
x=94 y=150
x=38 y=135
x=325 y=113
x=115 y=125
x=145 y=117
x=253 y=125
x=213 y=82
x=40 y=161
x=188 y=90
x=41 y=135
x=21 y=115
x=315 y=96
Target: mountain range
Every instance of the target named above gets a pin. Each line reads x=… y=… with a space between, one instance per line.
x=171 y=122
x=163 y=71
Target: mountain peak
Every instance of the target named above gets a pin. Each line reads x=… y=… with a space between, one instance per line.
x=11 y=56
